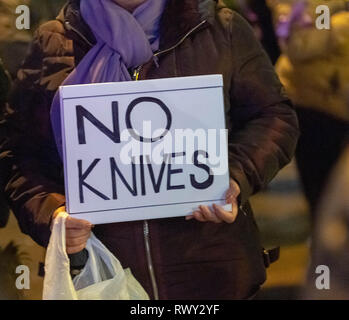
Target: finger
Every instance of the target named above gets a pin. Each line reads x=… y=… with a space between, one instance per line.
x=209 y=215
x=198 y=216
x=190 y=217
x=73 y=223
x=230 y=197
x=235 y=209
x=233 y=191
x=76 y=233
x=229 y=193
x=234 y=186
x=226 y=216
x=198 y=212
x=72 y=242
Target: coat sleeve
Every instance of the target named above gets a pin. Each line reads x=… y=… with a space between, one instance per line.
x=34 y=186
x=265 y=127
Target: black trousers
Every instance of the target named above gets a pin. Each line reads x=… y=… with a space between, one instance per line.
x=319 y=147
x=4 y=211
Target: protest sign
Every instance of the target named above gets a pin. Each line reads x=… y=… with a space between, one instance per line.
x=144 y=150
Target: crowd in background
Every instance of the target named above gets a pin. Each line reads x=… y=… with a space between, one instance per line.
x=312 y=64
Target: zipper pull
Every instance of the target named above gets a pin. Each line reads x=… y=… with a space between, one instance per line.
x=67 y=25
x=136 y=73
x=156 y=61
x=242 y=210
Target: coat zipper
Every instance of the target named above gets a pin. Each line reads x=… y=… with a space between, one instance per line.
x=70 y=27
x=157 y=54
x=243 y=210
x=145 y=223
x=146 y=233
x=150 y=260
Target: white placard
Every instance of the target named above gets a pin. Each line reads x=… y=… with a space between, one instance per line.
x=144 y=150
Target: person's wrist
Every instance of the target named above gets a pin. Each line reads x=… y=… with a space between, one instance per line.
x=77 y=262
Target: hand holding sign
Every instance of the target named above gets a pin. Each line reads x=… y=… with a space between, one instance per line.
x=219 y=214
x=78 y=230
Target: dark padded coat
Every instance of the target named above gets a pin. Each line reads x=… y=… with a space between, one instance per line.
x=190 y=259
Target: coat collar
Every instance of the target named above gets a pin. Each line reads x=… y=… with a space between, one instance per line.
x=179 y=17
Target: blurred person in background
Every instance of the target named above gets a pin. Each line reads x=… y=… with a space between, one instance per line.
x=14 y=43
x=43 y=10
x=263 y=20
x=9 y=255
x=328 y=275
x=263 y=132
x=10 y=259
x=4 y=163
x=314 y=68
x=258 y=14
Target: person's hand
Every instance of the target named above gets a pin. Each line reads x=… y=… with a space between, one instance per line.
x=77 y=232
x=218 y=214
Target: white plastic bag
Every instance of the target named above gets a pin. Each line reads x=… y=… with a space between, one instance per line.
x=102 y=278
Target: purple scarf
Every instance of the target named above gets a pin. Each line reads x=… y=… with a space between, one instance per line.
x=124 y=40
x=298 y=14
